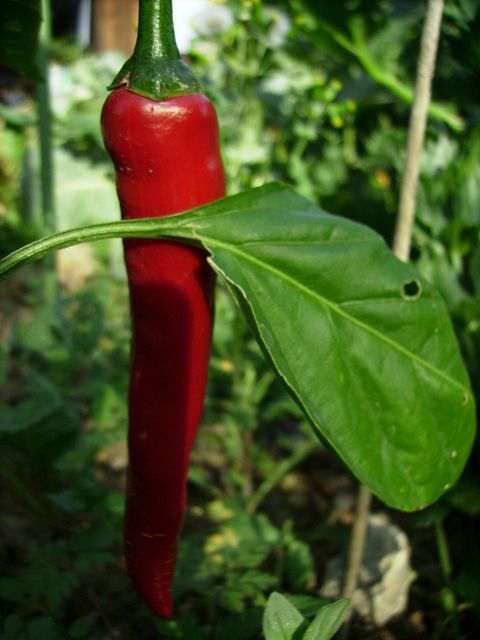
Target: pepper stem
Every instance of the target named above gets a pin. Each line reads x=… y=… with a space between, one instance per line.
x=156 y=69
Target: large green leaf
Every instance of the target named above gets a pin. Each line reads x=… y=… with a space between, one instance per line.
x=19 y=26
x=361 y=340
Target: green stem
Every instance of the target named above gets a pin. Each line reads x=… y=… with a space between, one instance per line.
x=47 y=190
x=447 y=570
x=280 y=472
x=156 y=37
x=358 y=49
x=156 y=69
x=141 y=228
x=402 y=91
x=45 y=124
x=443 y=551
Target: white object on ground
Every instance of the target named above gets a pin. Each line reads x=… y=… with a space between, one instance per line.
x=385 y=575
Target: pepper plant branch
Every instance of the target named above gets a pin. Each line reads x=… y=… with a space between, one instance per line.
x=416 y=131
x=447 y=570
x=358 y=48
x=144 y=228
x=401 y=90
x=278 y=474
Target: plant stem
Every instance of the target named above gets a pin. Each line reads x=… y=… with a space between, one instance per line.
x=47 y=190
x=358 y=540
x=156 y=69
x=443 y=551
x=437 y=111
x=446 y=566
x=247 y=467
x=156 y=37
x=358 y=49
x=45 y=125
x=280 y=472
x=356 y=550
x=416 y=130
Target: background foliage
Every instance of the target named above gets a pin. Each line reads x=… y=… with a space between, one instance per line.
x=319 y=100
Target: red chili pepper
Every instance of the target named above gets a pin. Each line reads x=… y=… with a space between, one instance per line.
x=162 y=135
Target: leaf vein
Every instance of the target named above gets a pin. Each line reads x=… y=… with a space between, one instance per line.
x=333 y=307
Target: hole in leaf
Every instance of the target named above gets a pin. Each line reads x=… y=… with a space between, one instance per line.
x=411 y=290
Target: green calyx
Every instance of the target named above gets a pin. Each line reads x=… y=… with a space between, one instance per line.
x=156 y=69
x=156 y=79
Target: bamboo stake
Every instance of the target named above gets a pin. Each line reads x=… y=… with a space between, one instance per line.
x=402 y=240
x=416 y=131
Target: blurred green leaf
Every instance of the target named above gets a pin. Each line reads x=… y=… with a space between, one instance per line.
x=467 y=584
x=46 y=580
x=281 y=621
x=40 y=334
x=387 y=44
x=328 y=621
x=465 y=495
x=240 y=626
x=475 y=271
x=43 y=627
x=68 y=501
x=3 y=367
x=16 y=117
x=242 y=543
x=12 y=590
x=93 y=539
x=434 y=265
x=299 y=566
x=19 y=27
x=85 y=194
x=466 y=195
x=435 y=514
x=42 y=403
x=308 y=605
x=81 y=628
x=11 y=627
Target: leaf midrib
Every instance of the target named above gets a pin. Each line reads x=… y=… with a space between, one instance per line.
x=212 y=244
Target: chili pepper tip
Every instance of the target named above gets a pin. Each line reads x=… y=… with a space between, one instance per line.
x=163 y=606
